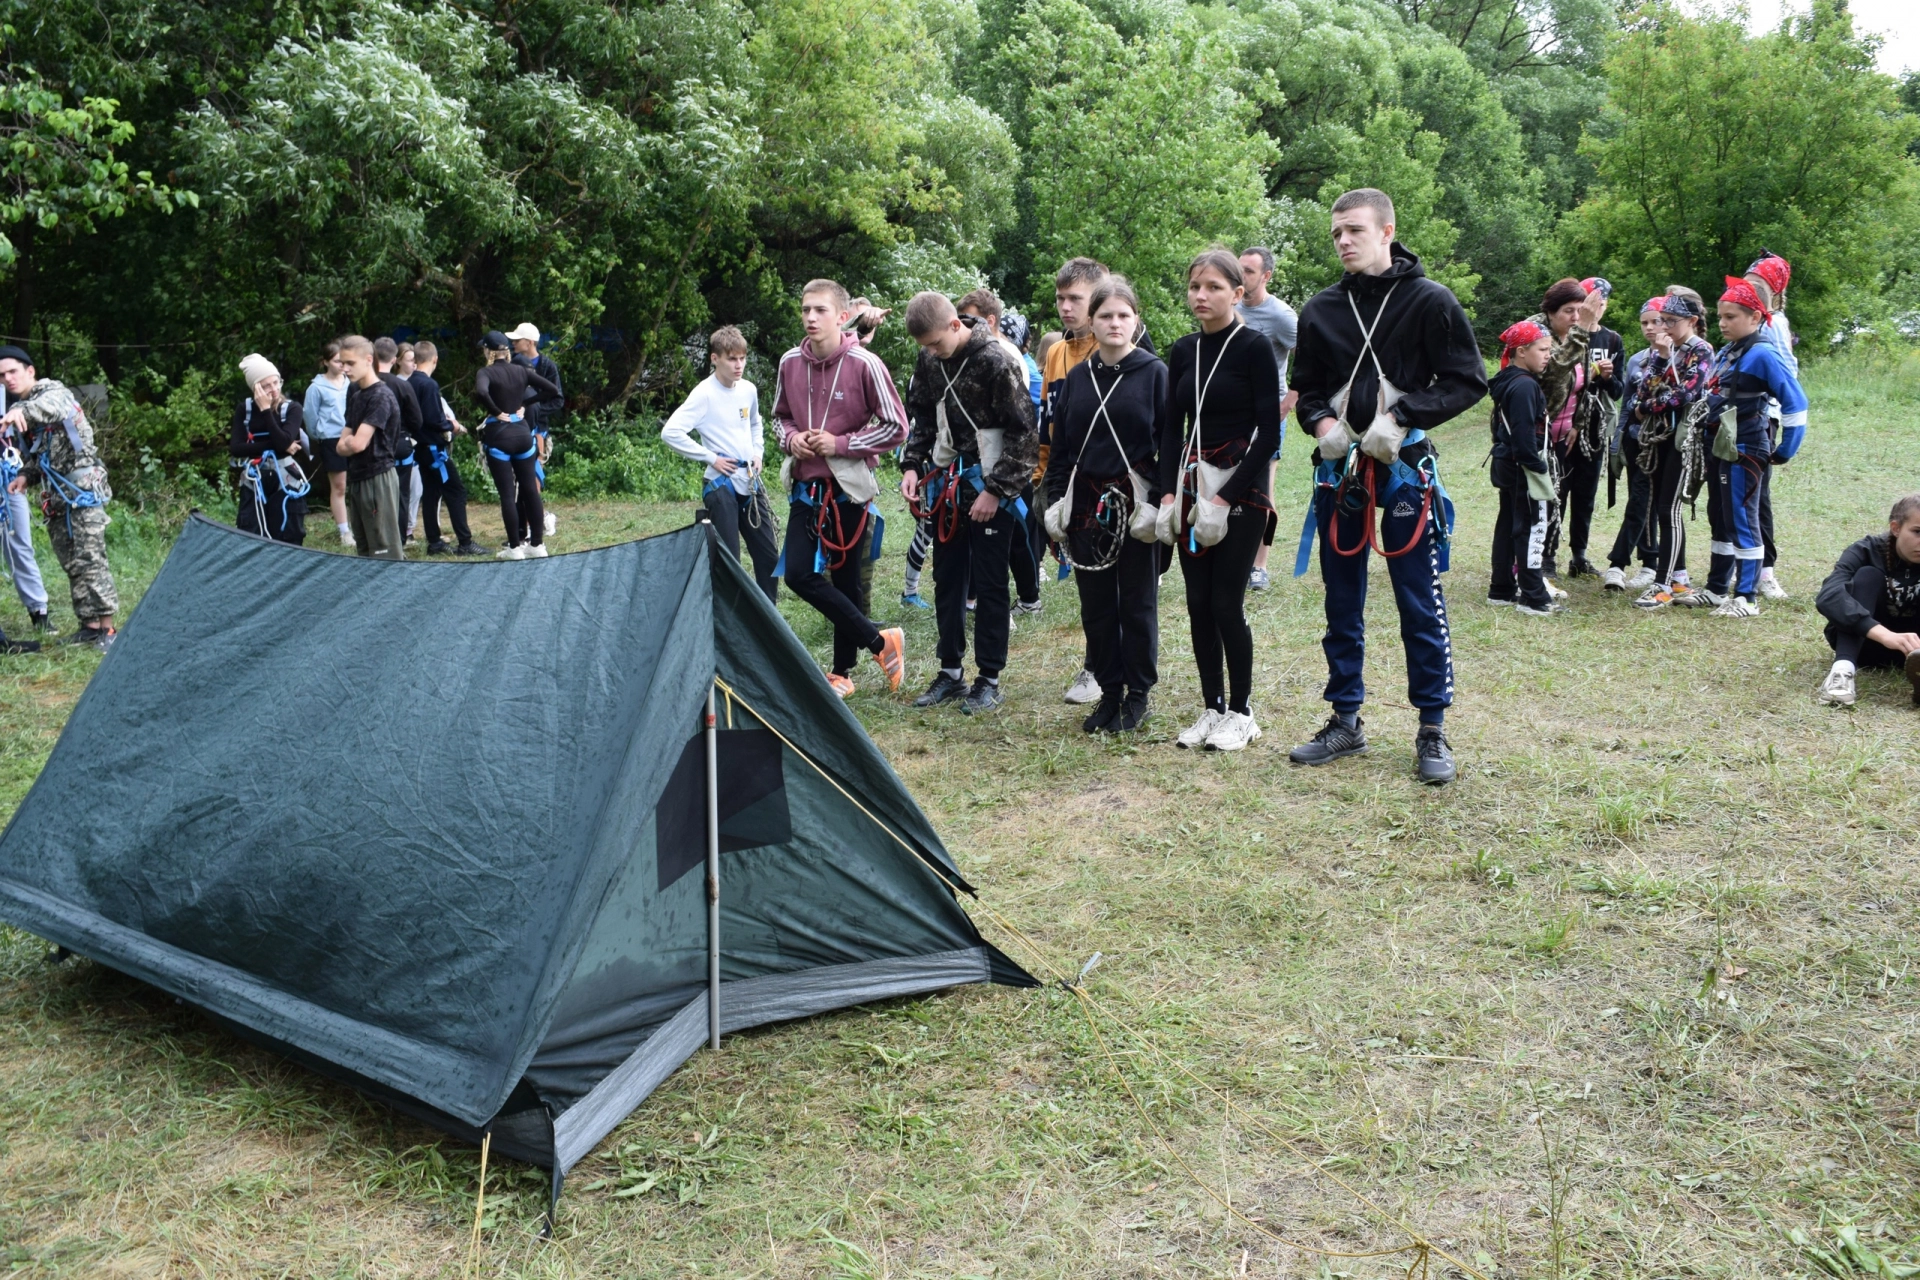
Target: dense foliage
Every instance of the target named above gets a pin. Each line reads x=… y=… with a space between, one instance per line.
x=187 y=182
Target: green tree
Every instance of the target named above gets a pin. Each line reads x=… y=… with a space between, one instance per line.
x=1142 y=151
x=1719 y=144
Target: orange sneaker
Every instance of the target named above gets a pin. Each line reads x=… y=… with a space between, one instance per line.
x=893 y=656
x=841 y=685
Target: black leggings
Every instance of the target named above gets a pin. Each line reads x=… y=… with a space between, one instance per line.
x=1668 y=516
x=1216 y=609
x=519 y=484
x=1869 y=587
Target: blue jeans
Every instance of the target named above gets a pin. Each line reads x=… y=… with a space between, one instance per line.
x=1416 y=590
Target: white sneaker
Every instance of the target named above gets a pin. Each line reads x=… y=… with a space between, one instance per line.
x=552 y=524
x=1641 y=580
x=1770 y=587
x=1553 y=607
x=1084 y=689
x=1201 y=729
x=1233 y=732
x=1736 y=607
x=511 y=553
x=1553 y=589
x=346 y=536
x=1837 y=689
x=537 y=551
x=1700 y=598
x=1614 y=579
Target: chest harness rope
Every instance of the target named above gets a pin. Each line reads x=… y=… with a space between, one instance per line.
x=56 y=486
x=1197 y=453
x=287 y=474
x=832 y=542
x=1355 y=480
x=1105 y=527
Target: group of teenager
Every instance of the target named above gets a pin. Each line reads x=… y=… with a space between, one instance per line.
x=1124 y=463
x=377 y=424
x=1677 y=418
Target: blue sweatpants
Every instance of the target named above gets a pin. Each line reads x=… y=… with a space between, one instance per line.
x=1416 y=590
x=1733 y=515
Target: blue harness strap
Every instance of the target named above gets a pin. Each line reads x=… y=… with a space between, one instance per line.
x=504 y=456
x=437 y=454
x=1328 y=475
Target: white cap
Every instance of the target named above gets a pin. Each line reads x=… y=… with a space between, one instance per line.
x=526 y=331
x=256 y=369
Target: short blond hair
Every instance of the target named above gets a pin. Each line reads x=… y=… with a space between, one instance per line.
x=727 y=341
x=832 y=288
x=358 y=345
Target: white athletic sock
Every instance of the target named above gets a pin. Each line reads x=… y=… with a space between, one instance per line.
x=1680 y=577
x=950 y=671
x=1842 y=666
x=344 y=529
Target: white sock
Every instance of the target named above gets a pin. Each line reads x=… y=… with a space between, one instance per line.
x=953 y=672
x=345 y=529
x=1842 y=667
x=1766 y=575
x=1680 y=577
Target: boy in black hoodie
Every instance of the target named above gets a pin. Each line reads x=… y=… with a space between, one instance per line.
x=1384 y=308
x=1520 y=471
x=1871 y=602
x=973 y=440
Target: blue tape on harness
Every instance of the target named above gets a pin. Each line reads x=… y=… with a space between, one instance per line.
x=504 y=456
x=438 y=455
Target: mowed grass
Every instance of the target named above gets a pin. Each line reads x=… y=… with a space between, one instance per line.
x=1633 y=998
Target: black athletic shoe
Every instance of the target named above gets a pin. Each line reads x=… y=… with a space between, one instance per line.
x=1134 y=712
x=1435 y=757
x=1332 y=742
x=984 y=696
x=1913 y=675
x=440 y=548
x=43 y=624
x=1582 y=569
x=98 y=637
x=945 y=688
x=469 y=549
x=1106 y=716
x=18 y=646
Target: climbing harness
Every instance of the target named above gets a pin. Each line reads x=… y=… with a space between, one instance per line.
x=287 y=474
x=57 y=486
x=1354 y=482
x=1112 y=517
x=832 y=541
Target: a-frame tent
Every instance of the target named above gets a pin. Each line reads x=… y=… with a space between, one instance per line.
x=441 y=829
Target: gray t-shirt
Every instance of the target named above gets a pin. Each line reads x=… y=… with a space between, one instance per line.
x=1277 y=322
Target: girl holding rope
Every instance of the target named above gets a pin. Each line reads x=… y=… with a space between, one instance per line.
x=265 y=437
x=1222 y=426
x=1109 y=416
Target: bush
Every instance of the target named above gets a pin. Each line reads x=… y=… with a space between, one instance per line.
x=601 y=455
x=155 y=431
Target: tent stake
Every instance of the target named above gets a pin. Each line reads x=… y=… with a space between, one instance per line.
x=713 y=876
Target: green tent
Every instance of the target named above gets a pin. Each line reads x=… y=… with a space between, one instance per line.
x=442 y=829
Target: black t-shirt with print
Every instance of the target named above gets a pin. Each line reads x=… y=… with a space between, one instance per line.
x=374 y=405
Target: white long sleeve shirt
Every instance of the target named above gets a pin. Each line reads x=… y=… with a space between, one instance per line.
x=727 y=422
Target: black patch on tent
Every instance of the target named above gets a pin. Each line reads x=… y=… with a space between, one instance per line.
x=753 y=800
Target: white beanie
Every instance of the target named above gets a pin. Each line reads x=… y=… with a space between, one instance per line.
x=256 y=369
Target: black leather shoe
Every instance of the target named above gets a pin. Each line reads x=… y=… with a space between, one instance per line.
x=1134 y=712
x=983 y=697
x=1332 y=742
x=1434 y=756
x=1105 y=717
x=945 y=688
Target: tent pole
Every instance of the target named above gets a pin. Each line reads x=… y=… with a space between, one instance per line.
x=713 y=875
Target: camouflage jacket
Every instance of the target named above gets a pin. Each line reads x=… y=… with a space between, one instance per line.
x=60 y=439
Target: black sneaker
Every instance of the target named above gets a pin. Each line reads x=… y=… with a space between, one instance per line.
x=1435 y=757
x=1105 y=717
x=1913 y=675
x=1582 y=568
x=98 y=637
x=43 y=624
x=440 y=548
x=984 y=696
x=1134 y=712
x=945 y=688
x=469 y=549
x=1332 y=742
x=18 y=646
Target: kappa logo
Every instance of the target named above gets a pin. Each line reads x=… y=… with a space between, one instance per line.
x=1405 y=508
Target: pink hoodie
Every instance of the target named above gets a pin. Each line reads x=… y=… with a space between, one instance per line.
x=850 y=394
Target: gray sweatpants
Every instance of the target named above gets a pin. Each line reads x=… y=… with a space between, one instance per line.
x=16 y=548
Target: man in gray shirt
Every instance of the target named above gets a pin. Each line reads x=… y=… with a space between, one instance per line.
x=1276 y=321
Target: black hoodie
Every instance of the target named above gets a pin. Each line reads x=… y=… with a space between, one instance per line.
x=1424 y=342
x=1137 y=406
x=1519 y=420
x=1899 y=601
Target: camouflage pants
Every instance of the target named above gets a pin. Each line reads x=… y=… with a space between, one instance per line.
x=79 y=537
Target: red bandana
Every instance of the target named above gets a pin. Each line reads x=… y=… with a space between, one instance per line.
x=1655 y=304
x=1742 y=294
x=1518 y=336
x=1775 y=270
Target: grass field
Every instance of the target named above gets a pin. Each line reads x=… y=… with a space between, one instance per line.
x=1632 y=999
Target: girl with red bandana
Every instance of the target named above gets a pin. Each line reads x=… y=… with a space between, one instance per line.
x=1520 y=428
